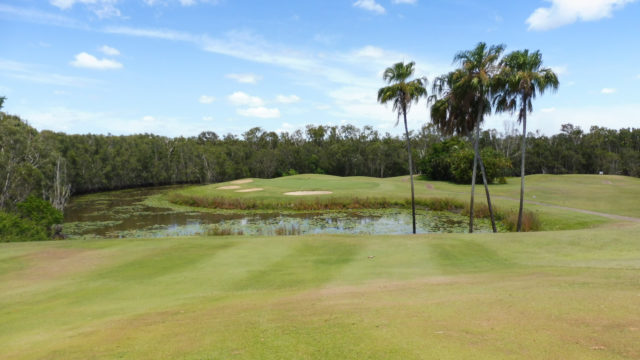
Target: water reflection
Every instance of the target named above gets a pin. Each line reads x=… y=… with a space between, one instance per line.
x=122 y=214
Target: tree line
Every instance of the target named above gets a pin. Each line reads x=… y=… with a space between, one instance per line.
x=53 y=165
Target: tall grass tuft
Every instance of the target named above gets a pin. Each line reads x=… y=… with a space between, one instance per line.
x=283 y=230
x=530 y=221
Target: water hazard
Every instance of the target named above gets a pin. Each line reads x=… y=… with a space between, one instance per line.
x=126 y=214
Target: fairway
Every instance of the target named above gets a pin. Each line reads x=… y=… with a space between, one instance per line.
x=564 y=295
x=548 y=294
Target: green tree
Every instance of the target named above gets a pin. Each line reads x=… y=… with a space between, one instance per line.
x=521 y=78
x=460 y=101
x=402 y=93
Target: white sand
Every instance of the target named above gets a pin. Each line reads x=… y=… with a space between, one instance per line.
x=230 y=187
x=307 y=193
x=243 y=181
x=250 y=190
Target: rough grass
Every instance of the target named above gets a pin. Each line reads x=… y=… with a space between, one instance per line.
x=552 y=295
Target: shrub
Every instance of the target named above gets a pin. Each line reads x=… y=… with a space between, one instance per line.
x=40 y=212
x=14 y=228
x=34 y=219
x=452 y=160
x=530 y=221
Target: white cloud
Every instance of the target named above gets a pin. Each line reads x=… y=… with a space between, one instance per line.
x=260 y=112
x=75 y=121
x=102 y=8
x=108 y=50
x=564 y=12
x=245 y=78
x=370 y=5
x=89 y=61
x=290 y=99
x=560 y=69
x=33 y=73
x=405 y=1
x=207 y=118
x=240 y=98
x=608 y=91
x=613 y=117
x=548 y=110
x=206 y=99
x=638 y=77
x=40 y=17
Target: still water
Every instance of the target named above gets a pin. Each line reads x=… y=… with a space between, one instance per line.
x=124 y=214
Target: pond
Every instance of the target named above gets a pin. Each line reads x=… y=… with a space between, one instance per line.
x=125 y=213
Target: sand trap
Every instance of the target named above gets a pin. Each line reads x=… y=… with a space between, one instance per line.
x=230 y=187
x=243 y=181
x=307 y=193
x=250 y=190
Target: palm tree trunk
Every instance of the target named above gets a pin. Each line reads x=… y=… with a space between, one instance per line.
x=473 y=177
x=486 y=190
x=524 y=149
x=413 y=201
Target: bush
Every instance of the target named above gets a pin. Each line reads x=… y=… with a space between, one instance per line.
x=40 y=212
x=530 y=221
x=14 y=228
x=452 y=160
x=33 y=220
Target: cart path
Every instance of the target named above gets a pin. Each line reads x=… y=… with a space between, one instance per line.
x=610 y=216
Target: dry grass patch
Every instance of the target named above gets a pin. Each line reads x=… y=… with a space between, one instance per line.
x=308 y=193
x=249 y=190
x=242 y=181
x=229 y=187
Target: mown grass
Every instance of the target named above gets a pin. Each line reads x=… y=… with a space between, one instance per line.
x=561 y=295
x=580 y=191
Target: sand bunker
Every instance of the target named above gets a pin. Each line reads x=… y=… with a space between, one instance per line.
x=250 y=190
x=243 y=181
x=230 y=187
x=307 y=193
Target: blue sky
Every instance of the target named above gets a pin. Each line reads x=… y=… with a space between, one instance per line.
x=181 y=67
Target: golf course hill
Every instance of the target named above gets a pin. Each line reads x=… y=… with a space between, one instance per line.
x=554 y=202
x=568 y=292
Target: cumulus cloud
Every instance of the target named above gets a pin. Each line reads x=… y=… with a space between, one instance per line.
x=564 y=12
x=206 y=99
x=287 y=99
x=89 y=61
x=608 y=91
x=245 y=78
x=370 y=5
x=260 y=112
x=240 y=98
x=108 y=50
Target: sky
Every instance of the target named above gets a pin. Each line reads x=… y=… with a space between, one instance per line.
x=180 y=67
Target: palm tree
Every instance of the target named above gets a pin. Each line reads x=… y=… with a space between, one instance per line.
x=453 y=112
x=403 y=93
x=474 y=79
x=522 y=77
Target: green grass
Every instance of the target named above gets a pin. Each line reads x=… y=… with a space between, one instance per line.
x=570 y=294
x=564 y=294
x=617 y=195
